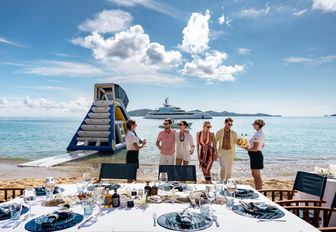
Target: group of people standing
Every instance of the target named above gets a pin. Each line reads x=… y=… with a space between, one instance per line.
x=176 y=147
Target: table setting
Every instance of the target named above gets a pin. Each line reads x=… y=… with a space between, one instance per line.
x=158 y=206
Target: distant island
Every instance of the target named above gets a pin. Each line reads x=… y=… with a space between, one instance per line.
x=332 y=115
x=143 y=112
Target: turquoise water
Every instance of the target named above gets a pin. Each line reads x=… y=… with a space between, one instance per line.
x=293 y=141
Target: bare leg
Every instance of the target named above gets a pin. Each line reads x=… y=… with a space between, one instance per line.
x=185 y=162
x=257 y=179
x=178 y=161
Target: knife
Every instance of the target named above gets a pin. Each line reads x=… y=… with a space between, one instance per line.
x=88 y=219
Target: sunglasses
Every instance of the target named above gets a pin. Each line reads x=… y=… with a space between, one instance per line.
x=180 y=124
x=229 y=124
x=208 y=126
x=165 y=124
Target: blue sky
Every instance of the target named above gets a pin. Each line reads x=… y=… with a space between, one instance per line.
x=276 y=57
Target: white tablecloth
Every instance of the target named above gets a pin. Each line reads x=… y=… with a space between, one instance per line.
x=329 y=194
x=136 y=219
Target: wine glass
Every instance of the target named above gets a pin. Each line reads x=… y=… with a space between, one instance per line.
x=231 y=186
x=214 y=176
x=86 y=179
x=210 y=192
x=49 y=185
x=29 y=196
x=163 y=178
x=99 y=197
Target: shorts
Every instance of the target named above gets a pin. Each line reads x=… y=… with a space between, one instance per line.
x=256 y=159
x=132 y=157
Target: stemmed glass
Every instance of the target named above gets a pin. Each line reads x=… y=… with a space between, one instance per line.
x=49 y=185
x=29 y=196
x=232 y=186
x=86 y=179
x=99 y=197
x=210 y=192
x=163 y=178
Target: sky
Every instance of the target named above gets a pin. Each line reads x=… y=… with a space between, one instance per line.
x=275 y=57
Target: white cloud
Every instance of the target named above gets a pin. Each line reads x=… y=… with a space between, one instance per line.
x=155 y=5
x=243 y=51
x=62 y=68
x=3 y=101
x=8 y=42
x=324 y=5
x=211 y=67
x=76 y=105
x=107 y=21
x=254 y=13
x=310 y=60
x=157 y=55
x=196 y=33
x=224 y=20
x=130 y=45
x=56 y=88
x=299 y=13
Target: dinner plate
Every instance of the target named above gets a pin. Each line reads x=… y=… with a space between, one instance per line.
x=109 y=185
x=169 y=221
x=265 y=211
x=35 y=226
x=174 y=185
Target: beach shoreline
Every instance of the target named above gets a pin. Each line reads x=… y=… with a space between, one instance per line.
x=69 y=173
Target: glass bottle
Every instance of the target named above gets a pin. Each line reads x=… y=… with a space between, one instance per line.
x=154 y=190
x=115 y=199
x=147 y=189
x=107 y=198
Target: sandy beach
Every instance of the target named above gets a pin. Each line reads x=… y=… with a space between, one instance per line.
x=13 y=176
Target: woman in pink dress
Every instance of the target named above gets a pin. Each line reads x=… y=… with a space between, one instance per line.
x=206 y=150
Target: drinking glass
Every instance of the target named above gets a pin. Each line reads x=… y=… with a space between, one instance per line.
x=80 y=186
x=29 y=196
x=214 y=176
x=231 y=186
x=219 y=187
x=163 y=178
x=210 y=192
x=49 y=185
x=99 y=197
x=88 y=205
x=86 y=179
x=15 y=211
x=205 y=207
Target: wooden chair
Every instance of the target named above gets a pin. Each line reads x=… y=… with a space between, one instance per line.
x=117 y=171
x=312 y=214
x=179 y=172
x=7 y=194
x=300 y=202
x=306 y=182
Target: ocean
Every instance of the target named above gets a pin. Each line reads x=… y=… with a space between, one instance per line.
x=292 y=143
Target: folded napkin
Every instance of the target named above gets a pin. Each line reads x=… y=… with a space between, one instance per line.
x=184 y=219
x=4 y=211
x=257 y=208
x=57 y=216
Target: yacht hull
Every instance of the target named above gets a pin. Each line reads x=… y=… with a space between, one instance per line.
x=178 y=116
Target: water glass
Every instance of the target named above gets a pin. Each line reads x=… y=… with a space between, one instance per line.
x=219 y=187
x=231 y=186
x=229 y=200
x=215 y=176
x=29 y=196
x=49 y=185
x=210 y=192
x=99 y=197
x=86 y=178
x=15 y=211
x=163 y=178
x=88 y=205
x=80 y=186
x=205 y=208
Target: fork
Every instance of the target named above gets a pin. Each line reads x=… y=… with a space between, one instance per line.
x=214 y=218
x=154 y=218
x=24 y=219
x=271 y=220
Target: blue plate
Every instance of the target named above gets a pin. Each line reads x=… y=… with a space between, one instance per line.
x=34 y=226
x=169 y=221
x=242 y=194
x=275 y=213
x=25 y=209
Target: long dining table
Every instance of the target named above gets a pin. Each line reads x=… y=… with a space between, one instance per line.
x=141 y=219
